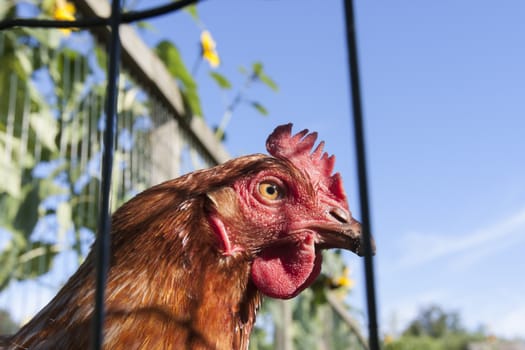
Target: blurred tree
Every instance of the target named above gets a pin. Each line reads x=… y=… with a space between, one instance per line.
x=434 y=329
x=434 y=322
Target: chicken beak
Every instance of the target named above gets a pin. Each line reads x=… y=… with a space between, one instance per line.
x=342 y=231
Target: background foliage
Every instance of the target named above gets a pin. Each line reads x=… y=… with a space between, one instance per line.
x=55 y=87
x=435 y=329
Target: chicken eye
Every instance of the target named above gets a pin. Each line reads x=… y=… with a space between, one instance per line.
x=270 y=191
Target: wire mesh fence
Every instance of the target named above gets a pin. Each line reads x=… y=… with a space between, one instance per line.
x=51 y=127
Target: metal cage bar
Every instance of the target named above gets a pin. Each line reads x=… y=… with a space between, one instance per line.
x=104 y=217
x=359 y=137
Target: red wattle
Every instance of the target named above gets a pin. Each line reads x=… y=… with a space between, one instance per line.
x=283 y=272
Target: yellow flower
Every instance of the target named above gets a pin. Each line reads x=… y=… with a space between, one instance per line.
x=343 y=281
x=388 y=339
x=208 y=49
x=64 y=11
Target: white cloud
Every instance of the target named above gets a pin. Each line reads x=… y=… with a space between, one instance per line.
x=420 y=248
x=409 y=282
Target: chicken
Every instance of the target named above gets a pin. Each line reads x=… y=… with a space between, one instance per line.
x=192 y=257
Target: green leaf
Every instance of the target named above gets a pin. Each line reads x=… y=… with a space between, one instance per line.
x=80 y=205
x=66 y=71
x=11 y=181
x=192 y=10
x=9 y=256
x=24 y=62
x=170 y=55
x=127 y=99
x=260 y=108
x=191 y=97
x=45 y=128
x=221 y=80
x=146 y=26
x=8 y=207
x=64 y=217
x=7 y=10
x=20 y=261
x=35 y=261
x=259 y=73
x=46 y=37
x=172 y=58
x=102 y=56
x=268 y=82
x=11 y=167
x=48 y=6
x=257 y=68
x=8 y=262
x=27 y=215
x=48 y=186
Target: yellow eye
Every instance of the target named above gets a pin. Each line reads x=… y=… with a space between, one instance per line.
x=270 y=191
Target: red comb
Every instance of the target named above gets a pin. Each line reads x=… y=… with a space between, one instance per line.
x=298 y=149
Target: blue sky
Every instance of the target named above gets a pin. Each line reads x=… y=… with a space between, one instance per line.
x=443 y=87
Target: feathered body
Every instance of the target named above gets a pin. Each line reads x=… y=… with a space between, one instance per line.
x=192 y=257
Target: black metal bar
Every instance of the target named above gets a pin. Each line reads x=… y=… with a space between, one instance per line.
x=104 y=218
x=47 y=23
x=132 y=16
x=362 y=176
x=127 y=17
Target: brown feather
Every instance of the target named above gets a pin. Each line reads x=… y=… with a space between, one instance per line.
x=190 y=257
x=168 y=284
